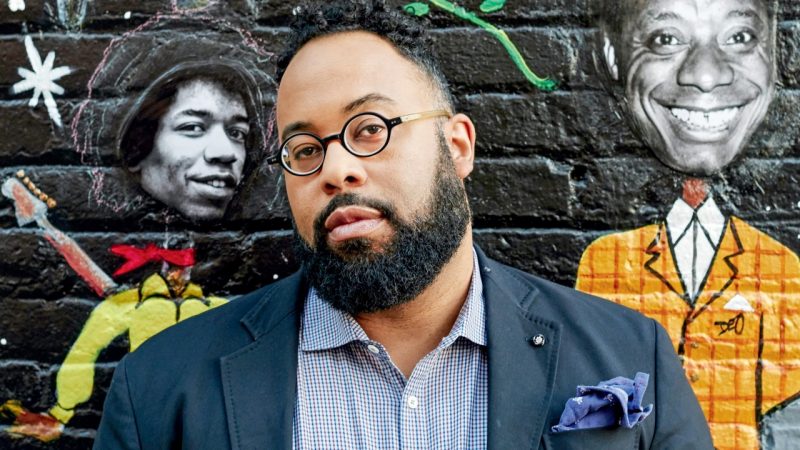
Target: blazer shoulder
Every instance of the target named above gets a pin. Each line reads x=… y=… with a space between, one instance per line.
x=751 y=237
x=641 y=236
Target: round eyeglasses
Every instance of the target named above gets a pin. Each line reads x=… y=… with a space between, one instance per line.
x=364 y=134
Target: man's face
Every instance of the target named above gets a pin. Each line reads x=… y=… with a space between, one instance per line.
x=699 y=77
x=319 y=92
x=372 y=225
x=199 y=151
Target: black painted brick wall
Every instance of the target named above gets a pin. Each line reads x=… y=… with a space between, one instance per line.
x=554 y=171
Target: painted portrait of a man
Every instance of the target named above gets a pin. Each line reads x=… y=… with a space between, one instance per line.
x=190 y=130
x=695 y=79
x=186 y=139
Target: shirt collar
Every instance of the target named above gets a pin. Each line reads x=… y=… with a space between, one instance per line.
x=708 y=215
x=324 y=327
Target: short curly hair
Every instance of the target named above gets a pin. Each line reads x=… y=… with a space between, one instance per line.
x=315 y=19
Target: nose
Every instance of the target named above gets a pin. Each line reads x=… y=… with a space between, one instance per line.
x=705 y=68
x=220 y=148
x=341 y=171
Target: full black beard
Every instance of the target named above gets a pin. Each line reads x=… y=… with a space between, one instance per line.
x=358 y=278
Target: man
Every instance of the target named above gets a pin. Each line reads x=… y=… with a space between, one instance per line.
x=185 y=139
x=397 y=332
x=698 y=77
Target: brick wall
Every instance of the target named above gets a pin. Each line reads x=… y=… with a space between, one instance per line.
x=554 y=171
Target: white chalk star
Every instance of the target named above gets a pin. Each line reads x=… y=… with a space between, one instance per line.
x=41 y=80
x=16 y=5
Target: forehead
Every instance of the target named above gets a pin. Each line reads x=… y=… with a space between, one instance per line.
x=331 y=71
x=644 y=12
x=201 y=94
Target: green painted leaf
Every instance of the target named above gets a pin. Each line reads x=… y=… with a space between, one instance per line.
x=492 y=5
x=417 y=8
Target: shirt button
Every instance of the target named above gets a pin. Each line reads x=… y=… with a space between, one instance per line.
x=694 y=378
x=373 y=349
x=413 y=402
x=695 y=345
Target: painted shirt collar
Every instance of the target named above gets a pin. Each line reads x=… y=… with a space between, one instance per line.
x=708 y=215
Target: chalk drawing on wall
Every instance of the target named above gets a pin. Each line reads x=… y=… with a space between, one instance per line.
x=727 y=293
x=41 y=80
x=158 y=302
x=16 y=5
x=72 y=13
x=488 y=6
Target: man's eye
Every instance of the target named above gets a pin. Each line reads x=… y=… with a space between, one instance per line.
x=192 y=129
x=237 y=134
x=307 y=152
x=370 y=131
x=740 y=38
x=665 y=40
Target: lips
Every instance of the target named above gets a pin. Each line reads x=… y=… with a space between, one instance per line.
x=217 y=181
x=216 y=187
x=352 y=222
x=696 y=119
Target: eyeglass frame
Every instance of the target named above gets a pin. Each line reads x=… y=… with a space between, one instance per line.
x=390 y=124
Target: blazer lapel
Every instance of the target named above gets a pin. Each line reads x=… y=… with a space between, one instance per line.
x=661 y=263
x=521 y=375
x=723 y=270
x=259 y=380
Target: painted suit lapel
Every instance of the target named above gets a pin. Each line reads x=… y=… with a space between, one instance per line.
x=661 y=264
x=521 y=376
x=723 y=270
x=260 y=379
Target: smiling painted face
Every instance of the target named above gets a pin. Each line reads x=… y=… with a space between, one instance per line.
x=199 y=151
x=698 y=76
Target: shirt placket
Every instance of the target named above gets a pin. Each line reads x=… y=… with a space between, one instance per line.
x=415 y=405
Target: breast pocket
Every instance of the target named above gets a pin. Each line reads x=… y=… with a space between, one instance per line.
x=594 y=438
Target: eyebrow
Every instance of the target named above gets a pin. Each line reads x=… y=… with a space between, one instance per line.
x=369 y=98
x=663 y=16
x=373 y=97
x=746 y=13
x=204 y=114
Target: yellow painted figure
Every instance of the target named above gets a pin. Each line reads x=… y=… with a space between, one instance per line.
x=157 y=303
x=738 y=334
x=141 y=312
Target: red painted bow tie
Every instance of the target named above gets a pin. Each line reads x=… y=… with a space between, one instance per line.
x=136 y=257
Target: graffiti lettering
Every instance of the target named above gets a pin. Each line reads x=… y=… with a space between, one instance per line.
x=735 y=323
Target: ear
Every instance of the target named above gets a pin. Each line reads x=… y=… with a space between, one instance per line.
x=460 y=135
x=610 y=56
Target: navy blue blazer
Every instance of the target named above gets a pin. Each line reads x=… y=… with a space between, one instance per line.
x=226 y=379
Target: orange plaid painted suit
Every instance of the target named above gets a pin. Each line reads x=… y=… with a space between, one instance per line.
x=741 y=364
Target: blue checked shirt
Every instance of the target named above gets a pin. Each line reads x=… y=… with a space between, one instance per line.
x=350 y=395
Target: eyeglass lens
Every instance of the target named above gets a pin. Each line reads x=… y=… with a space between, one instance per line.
x=364 y=135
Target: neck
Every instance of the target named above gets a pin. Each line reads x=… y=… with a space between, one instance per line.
x=412 y=330
x=695 y=192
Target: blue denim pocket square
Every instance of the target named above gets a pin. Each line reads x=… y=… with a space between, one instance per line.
x=617 y=401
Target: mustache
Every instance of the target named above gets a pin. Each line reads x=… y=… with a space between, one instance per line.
x=388 y=211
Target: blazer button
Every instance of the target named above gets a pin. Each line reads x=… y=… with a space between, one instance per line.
x=538 y=340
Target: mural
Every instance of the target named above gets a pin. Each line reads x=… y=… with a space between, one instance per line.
x=160 y=301
x=41 y=79
x=135 y=193
x=696 y=85
x=191 y=131
x=488 y=6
